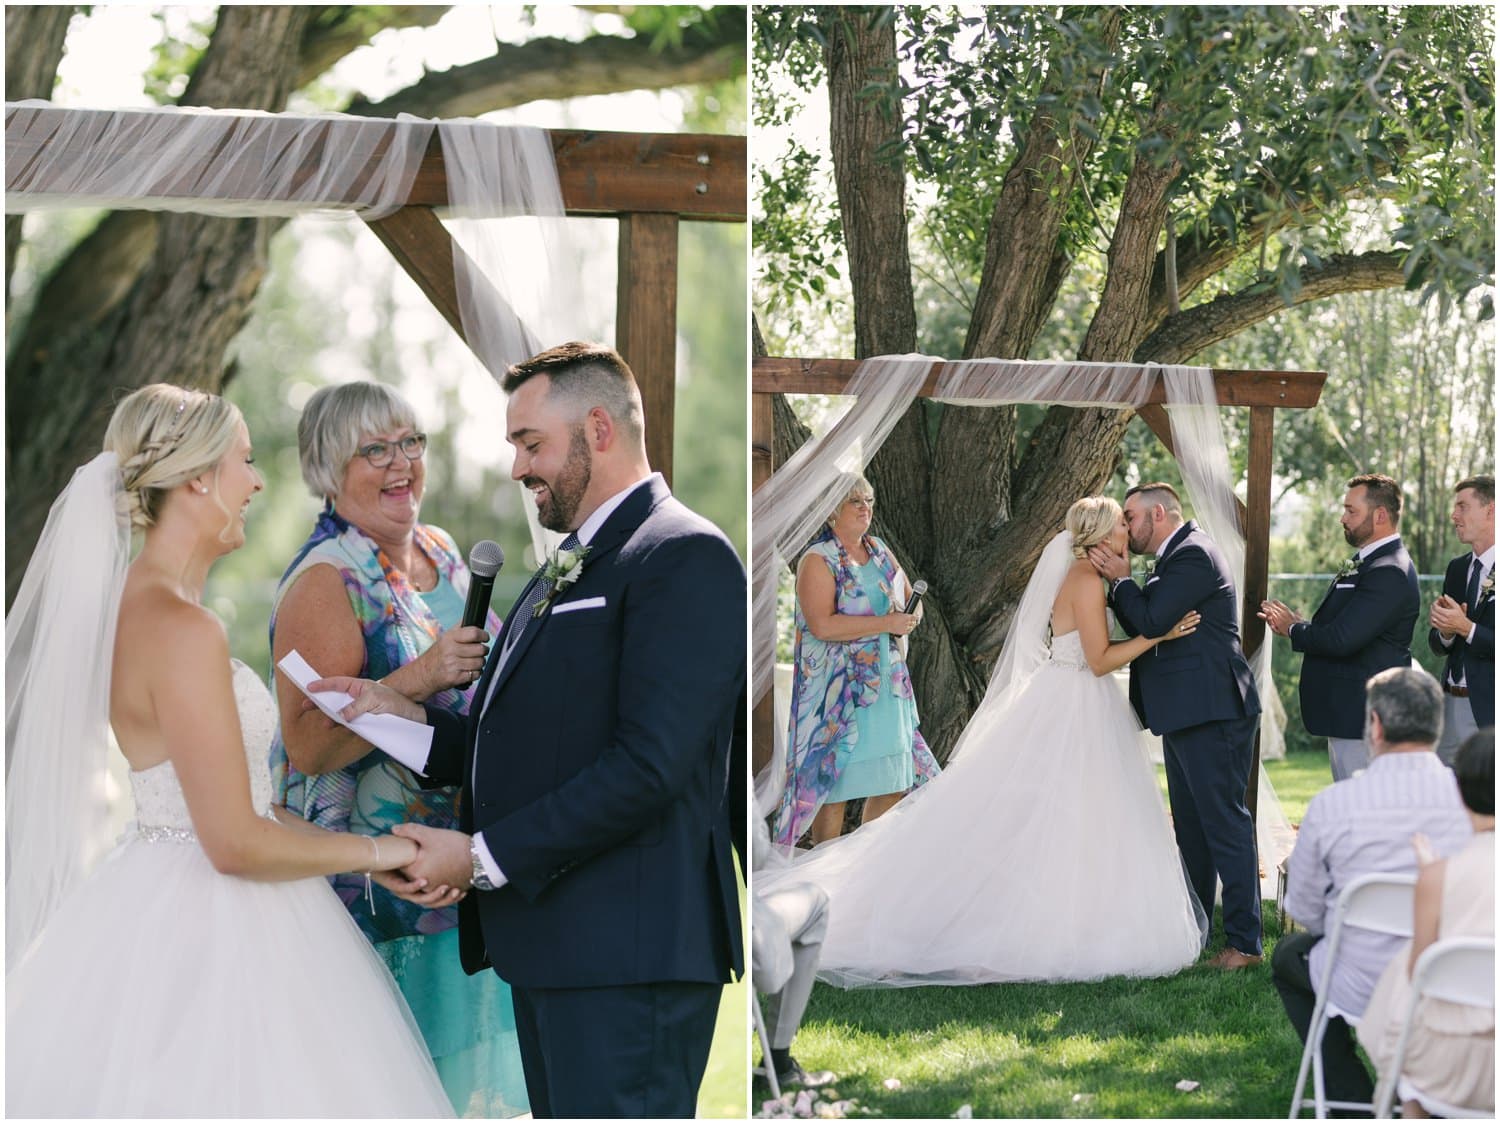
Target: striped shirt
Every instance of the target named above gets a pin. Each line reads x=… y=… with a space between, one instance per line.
x=1363 y=825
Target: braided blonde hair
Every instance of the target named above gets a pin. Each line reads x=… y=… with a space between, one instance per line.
x=165 y=435
x=1090 y=521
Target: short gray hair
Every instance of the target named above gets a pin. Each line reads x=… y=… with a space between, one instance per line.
x=1409 y=703
x=335 y=420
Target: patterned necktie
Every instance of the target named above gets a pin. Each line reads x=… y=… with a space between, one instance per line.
x=525 y=617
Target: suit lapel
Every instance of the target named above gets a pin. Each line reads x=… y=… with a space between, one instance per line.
x=620 y=525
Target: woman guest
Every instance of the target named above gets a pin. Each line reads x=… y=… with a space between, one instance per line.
x=1451 y=1052
x=375 y=593
x=854 y=721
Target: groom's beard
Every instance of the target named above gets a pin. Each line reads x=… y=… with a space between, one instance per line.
x=1138 y=545
x=566 y=492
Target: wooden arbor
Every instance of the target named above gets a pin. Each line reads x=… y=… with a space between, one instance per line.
x=1264 y=392
x=649 y=182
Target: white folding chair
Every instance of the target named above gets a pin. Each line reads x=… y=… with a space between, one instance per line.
x=1459 y=970
x=766 y=1066
x=1380 y=903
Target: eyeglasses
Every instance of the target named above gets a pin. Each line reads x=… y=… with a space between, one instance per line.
x=381 y=453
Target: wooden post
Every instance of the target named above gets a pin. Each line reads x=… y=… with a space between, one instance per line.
x=646 y=323
x=1257 y=561
x=762 y=464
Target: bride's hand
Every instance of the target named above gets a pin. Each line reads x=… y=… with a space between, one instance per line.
x=370 y=698
x=1182 y=628
x=396 y=852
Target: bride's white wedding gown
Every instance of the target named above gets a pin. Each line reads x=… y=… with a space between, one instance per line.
x=163 y=988
x=1042 y=852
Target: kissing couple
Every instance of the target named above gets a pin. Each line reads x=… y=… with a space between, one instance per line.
x=1058 y=860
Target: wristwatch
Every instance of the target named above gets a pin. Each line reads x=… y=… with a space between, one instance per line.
x=478 y=875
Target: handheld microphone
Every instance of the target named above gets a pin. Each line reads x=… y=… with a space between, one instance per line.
x=485 y=561
x=917 y=589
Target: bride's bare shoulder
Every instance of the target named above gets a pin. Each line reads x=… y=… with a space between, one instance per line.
x=158 y=625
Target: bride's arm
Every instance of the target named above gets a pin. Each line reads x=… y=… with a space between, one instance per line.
x=192 y=697
x=1104 y=655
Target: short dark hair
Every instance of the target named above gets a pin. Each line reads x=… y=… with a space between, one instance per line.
x=1474 y=766
x=1381 y=491
x=1409 y=703
x=1158 y=491
x=592 y=374
x=1482 y=485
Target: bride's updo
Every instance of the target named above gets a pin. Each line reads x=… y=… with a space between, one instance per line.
x=165 y=435
x=1090 y=521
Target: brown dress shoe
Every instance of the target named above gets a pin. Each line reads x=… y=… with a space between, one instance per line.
x=1232 y=959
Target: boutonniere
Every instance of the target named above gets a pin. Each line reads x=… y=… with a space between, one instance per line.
x=563 y=568
x=1487 y=587
x=1150 y=569
x=1348 y=569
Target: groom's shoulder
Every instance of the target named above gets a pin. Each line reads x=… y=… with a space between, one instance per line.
x=673 y=530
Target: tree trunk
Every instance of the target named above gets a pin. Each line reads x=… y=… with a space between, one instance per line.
x=34 y=35
x=176 y=317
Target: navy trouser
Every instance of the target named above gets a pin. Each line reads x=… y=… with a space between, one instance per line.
x=1208 y=768
x=630 y=1051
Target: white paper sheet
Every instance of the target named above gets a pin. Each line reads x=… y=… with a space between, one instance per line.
x=408 y=742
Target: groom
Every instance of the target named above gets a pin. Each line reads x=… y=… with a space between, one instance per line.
x=1198 y=694
x=597 y=800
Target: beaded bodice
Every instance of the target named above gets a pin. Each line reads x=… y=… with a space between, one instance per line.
x=1067 y=651
x=160 y=808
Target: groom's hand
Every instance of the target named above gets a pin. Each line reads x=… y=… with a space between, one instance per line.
x=442 y=856
x=415 y=890
x=1110 y=566
x=370 y=697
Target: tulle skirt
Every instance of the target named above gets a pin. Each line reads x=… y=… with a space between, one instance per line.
x=1042 y=852
x=162 y=988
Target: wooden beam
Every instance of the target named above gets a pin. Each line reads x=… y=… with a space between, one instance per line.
x=1287 y=389
x=646 y=324
x=699 y=176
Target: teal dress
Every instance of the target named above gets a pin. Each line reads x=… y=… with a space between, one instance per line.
x=881 y=760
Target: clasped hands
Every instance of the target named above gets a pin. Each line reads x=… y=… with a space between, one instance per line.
x=1278 y=617
x=440 y=874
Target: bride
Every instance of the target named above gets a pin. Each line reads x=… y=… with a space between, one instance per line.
x=1043 y=851
x=205 y=968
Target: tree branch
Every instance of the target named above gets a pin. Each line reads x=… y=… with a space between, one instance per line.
x=343 y=28
x=1184 y=335
x=555 y=68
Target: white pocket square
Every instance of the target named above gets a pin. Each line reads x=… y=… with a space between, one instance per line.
x=574 y=606
x=1344 y=585
x=1151 y=579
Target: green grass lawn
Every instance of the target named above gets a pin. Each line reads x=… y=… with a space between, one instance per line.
x=1111 y=1049
x=726 y=1082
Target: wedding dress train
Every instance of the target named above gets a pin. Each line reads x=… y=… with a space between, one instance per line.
x=1042 y=852
x=163 y=988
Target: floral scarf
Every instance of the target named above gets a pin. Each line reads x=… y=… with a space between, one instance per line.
x=828 y=681
x=398 y=627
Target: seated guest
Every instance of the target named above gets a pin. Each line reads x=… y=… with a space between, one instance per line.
x=1451 y=1051
x=788 y=926
x=1361 y=826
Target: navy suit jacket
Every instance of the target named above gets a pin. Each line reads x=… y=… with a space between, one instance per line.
x=1364 y=625
x=599 y=774
x=1478 y=655
x=1202 y=677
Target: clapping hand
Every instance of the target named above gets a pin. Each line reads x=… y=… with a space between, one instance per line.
x=1450 y=617
x=1278 y=617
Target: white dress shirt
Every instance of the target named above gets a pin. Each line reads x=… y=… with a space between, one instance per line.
x=1363 y=825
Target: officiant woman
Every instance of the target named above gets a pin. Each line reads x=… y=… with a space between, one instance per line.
x=854 y=721
x=374 y=592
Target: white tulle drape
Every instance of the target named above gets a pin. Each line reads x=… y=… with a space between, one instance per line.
x=59 y=652
x=515 y=270
x=789 y=506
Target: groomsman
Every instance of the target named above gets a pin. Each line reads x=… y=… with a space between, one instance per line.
x=1363 y=626
x=1463 y=618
